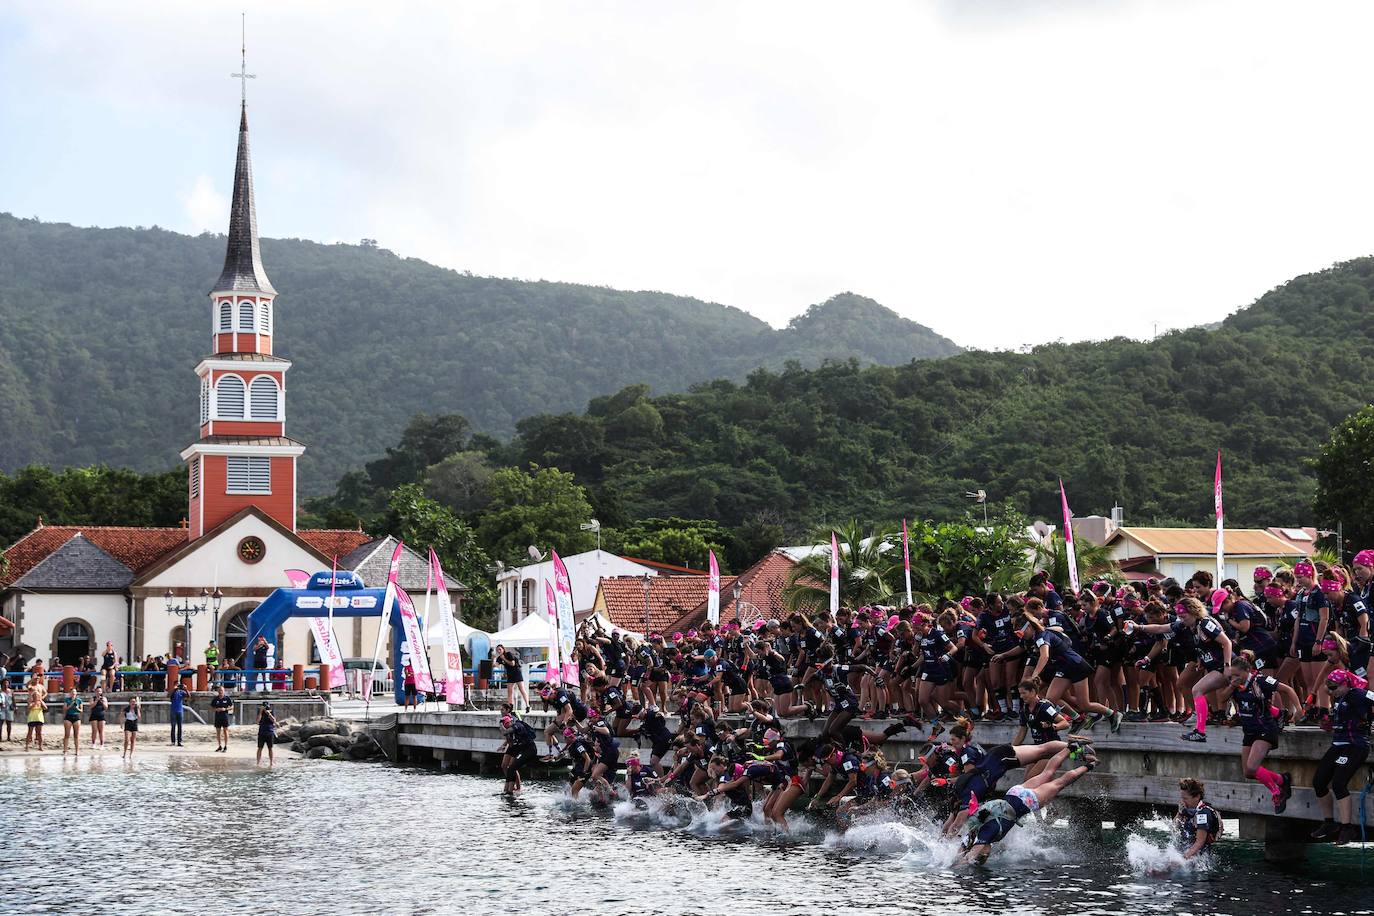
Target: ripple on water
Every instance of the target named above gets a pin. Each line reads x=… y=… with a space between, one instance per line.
x=286 y=831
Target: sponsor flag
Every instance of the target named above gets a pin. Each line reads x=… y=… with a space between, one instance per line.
x=1069 y=553
x=567 y=634
x=1221 y=527
x=834 y=575
x=906 y=561
x=453 y=653
x=712 y=591
x=552 y=673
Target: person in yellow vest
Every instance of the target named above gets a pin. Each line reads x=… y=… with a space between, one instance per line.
x=212 y=656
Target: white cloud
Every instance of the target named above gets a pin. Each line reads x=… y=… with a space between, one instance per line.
x=205 y=208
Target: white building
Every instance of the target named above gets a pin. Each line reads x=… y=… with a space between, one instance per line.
x=521 y=589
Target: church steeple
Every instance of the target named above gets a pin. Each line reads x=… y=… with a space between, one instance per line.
x=243 y=457
x=243 y=260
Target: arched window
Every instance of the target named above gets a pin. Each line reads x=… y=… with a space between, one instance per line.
x=246 y=315
x=265 y=318
x=229 y=398
x=263 y=398
x=226 y=315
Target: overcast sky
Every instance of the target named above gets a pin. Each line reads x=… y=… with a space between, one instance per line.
x=1007 y=173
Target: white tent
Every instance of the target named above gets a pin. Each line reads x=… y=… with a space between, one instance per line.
x=534 y=632
x=608 y=627
x=436 y=632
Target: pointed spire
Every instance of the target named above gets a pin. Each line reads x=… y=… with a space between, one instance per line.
x=243 y=260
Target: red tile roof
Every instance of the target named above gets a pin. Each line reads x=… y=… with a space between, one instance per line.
x=760 y=585
x=669 y=598
x=333 y=542
x=140 y=548
x=136 y=548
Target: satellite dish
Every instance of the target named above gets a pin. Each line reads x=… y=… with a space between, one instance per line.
x=535 y=555
x=1041 y=530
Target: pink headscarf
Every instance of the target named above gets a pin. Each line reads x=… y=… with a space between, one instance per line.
x=1365 y=558
x=1350 y=678
x=1304 y=568
x=893 y=621
x=1262 y=572
x=1219 y=597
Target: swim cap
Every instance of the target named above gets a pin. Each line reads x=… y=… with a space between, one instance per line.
x=710 y=653
x=506 y=721
x=569 y=733
x=1304 y=568
x=966 y=602
x=1219 y=597
x=677 y=636
x=771 y=735
x=593 y=714
x=1365 y=558
x=893 y=621
x=1262 y=572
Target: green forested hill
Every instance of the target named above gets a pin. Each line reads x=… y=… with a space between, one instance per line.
x=1120 y=420
x=100 y=329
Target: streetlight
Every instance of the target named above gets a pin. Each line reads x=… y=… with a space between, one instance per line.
x=188 y=609
x=736 y=591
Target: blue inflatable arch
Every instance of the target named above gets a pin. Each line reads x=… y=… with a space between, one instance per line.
x=351 y=599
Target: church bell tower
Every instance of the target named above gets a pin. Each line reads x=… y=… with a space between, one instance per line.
x=243 y=457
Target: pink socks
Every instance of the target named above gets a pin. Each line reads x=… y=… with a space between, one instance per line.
x=1200 y=707
x=1272 y=781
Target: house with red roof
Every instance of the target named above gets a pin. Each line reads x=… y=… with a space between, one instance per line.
x=68 y=590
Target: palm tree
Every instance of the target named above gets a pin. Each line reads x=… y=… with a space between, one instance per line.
x=866 y=562
x=1094 y=562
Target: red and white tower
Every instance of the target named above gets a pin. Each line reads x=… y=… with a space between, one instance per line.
x=243 y=457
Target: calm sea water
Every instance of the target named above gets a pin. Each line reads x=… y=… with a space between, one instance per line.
x=217 y=836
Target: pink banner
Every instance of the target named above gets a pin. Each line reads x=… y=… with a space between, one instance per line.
x=906 y=561
x=834 y=574
x=1221 y=528
x=1069 y=554
x=298 y=578
x=713 y=590
x=567 y=631
x=329 y=651
x=453 y=654
x=410 y=623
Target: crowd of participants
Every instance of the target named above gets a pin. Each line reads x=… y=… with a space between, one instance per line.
x=1292 y=653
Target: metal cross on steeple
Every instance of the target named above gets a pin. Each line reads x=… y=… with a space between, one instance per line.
x=243 y=76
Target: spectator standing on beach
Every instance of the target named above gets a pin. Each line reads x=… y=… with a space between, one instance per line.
x=132 y=714
x=107 y=665
x=36 y=709
x=6 y=710
x=267 y=732
x=221 y=705
x=99 y=706
x=72 y=704
x=177 y=695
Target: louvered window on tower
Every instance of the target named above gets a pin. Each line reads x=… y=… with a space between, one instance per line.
x=246 y=315
x=263 y=398
x=195 y=478
x=204 y=401
x=229 y=398
x=265 y=318
x=249 y=475
x=226 y=316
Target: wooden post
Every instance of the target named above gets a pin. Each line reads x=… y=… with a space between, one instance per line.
x=297 y=677
x=202 y=678
x=68 y=677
